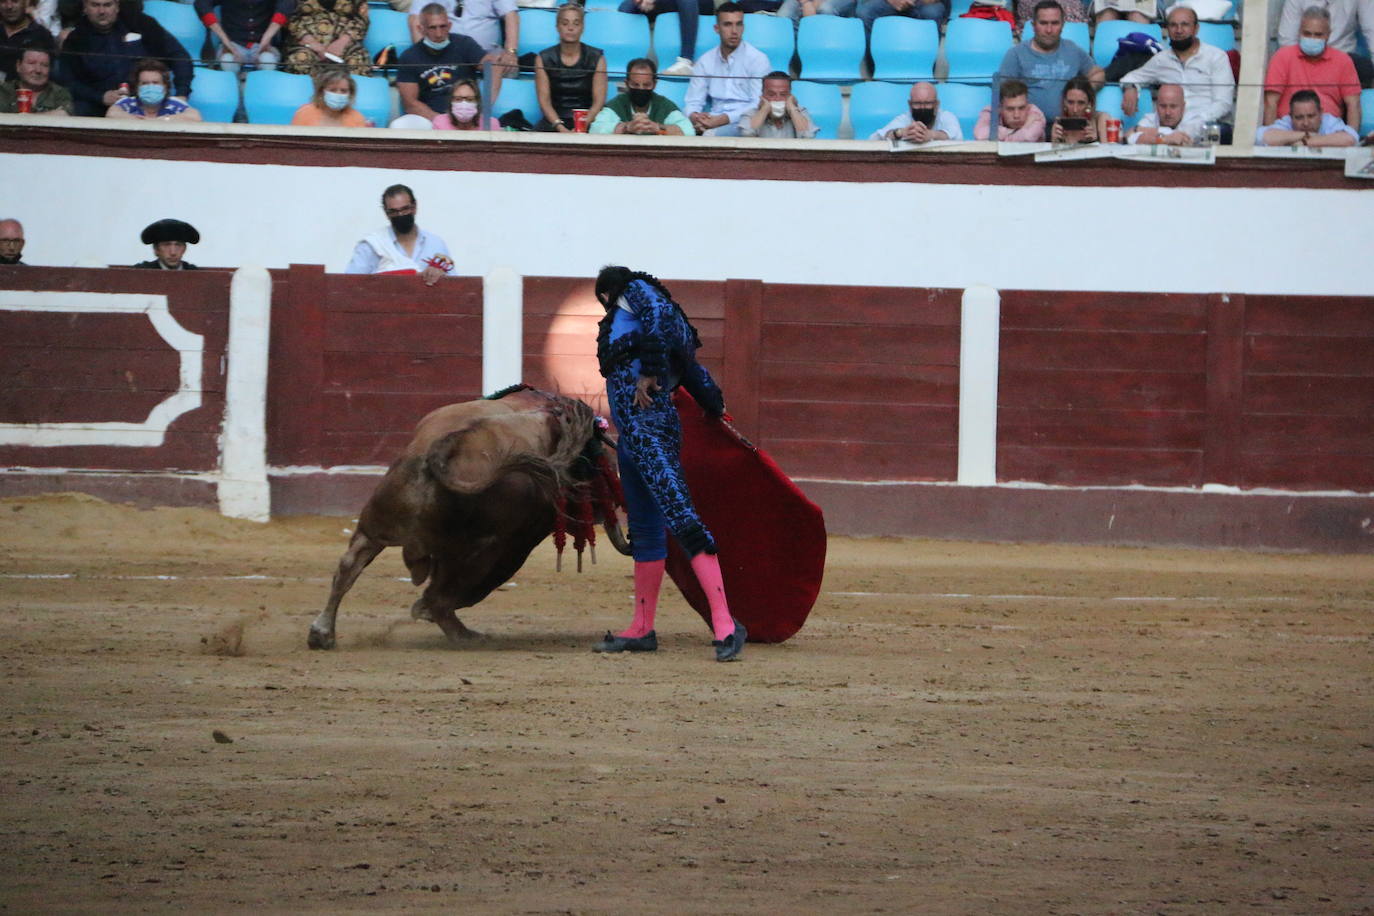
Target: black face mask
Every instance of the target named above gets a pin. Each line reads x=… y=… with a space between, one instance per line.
x=403 y=224
x=640 y=97
x=1180 y=44
x=924 y=116
x=13 y=260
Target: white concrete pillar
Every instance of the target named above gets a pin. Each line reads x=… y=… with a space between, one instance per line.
x=503 y=330
x=243 y=489
x=979 y=342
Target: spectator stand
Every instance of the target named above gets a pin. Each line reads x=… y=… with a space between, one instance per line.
x=272 y=96
x=904 y=49
x=825 y=103
x=621 y=36
x=181 y=21
x=215 y=94
x=830 y=49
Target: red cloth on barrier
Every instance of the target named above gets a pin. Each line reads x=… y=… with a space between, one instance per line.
x=771 y=538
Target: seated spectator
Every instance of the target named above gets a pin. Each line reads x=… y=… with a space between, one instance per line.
x=19 y=30
x=569 y=76
x=639 y=110
x=922 y=121
x=1046 y=61
x=1203 y=70
x=465 y=110
x=1079 y=121
x=247 y=30
x=1134 y=10
x=169 y=238
x=483 y=21
x=1349 y=18
x=727 y=80
x=1306 y=125
x=1018 y=121
x=11 y=242
x=1170 y=123
x=1074 y=11
x=428 y=70
x=1311 y=64
x=322 y=32
x=779 y=114
x=871 y=10
x=151 y=84
x=105 y=43
x=32 y=73
x=332 y=103
x=686 y=22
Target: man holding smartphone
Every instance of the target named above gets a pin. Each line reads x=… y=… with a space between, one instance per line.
x=923 y=120
x=1046 y=62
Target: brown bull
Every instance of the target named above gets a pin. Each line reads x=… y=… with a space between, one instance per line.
x=477 y=489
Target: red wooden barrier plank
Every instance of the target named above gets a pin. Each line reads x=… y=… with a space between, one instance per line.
x=853 y=344
x=1297 y=394
x=1307 y=435
x=125 y=369
x=1225 y=388
x=397 y=372
x=1310 y=316
x=1101 y=311
x=870 y=423
x=700 y=299
x=1088 y=350
x=1287 y=355
x=403 y=295
x=379 y=413
x=1100 y=466
x=183 y=450
x=1102 y=390
x=1308 y=472
x=786 y=303
x=74 y=405
x=859 y=382
x=80 y=331
x=863 y=460
x=741 y=348
x=369 y=448
x=295 y=372
x=1035 y=427
x=377 y=333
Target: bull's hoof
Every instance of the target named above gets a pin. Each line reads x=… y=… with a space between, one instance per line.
x=319 y=639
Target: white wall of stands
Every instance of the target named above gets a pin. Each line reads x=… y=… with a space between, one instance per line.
x=91 y=209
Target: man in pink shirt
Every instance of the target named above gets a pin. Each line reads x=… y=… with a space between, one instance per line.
x=1018 y=120
x=1311 y=64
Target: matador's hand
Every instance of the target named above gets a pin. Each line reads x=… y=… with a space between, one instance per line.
x=644 y=391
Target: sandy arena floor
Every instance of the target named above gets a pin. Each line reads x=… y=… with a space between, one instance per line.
x=961 y=728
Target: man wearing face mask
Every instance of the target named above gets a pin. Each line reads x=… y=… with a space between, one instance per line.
x=428 y=69
x=107 y=40
x=1203 y=70
x=1349 y=20
x=639 y=110
x=923 y=120
x=778 y=114
x=169 y=238
x=1313 y=64
x=402 y=247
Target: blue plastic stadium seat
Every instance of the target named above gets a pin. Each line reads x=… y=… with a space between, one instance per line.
x=831 y=48
x=964 y=101
x=773 y=35
x=373 y=99
x=623 y=36
x=1076 y=32
x=215 y=94
x=676 y=90
x=272 y=97
x=538 y=30
x=1219 y=34
x=1109 y=100
x=904 y=49
x=1105 y=40
x=668 y=38
x=871 y=105
x=518 y=94
x=974 y=49
x=1366 y=112
x=181 y=21
x=387 y=27
x=824 y=103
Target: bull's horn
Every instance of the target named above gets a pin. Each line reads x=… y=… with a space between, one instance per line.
x=617 y=538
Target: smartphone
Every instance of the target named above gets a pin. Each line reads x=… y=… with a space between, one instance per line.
x=1069 y=124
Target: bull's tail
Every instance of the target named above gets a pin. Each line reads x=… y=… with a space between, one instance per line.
x=473 y=457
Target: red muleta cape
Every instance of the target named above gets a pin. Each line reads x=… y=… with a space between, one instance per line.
x=771 y=538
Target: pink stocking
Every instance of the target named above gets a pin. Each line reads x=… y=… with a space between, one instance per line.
x=648 y=579
x=707 y=568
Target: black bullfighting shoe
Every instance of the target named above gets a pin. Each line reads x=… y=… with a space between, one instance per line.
x=612 y=643
x=729 y=648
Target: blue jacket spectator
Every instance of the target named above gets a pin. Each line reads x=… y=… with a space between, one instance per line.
x=103 y=47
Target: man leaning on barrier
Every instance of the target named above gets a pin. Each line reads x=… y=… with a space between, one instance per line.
x=401 y=247
x=639 y=110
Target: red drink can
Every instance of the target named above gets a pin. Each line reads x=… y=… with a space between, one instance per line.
x=24 y=100
x=1113 y=130
x=580 y=120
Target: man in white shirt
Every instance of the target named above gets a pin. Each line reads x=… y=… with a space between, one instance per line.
x=922 y=121
x=1171 y=123
x=1203 y=70
x=402 y=247
x=728 y=80
x=1306 y=125
x=1348 y=18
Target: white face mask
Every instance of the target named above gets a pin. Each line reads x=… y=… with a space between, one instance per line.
x=337 y=101
x=779 y=108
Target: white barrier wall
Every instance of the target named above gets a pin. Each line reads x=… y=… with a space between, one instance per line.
x=884 y=234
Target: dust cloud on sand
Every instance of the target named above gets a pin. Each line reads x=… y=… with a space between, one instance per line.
x=960 y=728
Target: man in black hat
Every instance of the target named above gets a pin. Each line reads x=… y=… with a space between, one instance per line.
x=169 y=238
